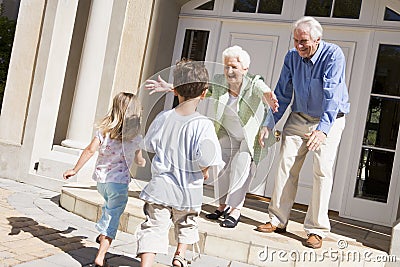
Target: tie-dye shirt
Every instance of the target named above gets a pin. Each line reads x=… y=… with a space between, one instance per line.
x=114 y=159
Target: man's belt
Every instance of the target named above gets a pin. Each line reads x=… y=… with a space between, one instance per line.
x=339 y=115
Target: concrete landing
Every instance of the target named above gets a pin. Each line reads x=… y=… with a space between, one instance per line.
x=350 y=243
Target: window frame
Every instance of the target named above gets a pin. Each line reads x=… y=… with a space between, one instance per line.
x=367 y=15
x=393 y=5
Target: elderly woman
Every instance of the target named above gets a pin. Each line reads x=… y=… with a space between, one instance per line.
x=239 y=112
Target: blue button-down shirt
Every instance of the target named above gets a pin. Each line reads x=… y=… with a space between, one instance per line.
x=317 y=85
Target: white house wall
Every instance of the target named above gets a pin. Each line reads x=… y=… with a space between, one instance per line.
x=39 y=81
x=138 y=41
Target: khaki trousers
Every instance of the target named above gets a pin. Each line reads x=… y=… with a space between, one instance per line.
x=234 y=180
x=152 y=234
x=291 y=158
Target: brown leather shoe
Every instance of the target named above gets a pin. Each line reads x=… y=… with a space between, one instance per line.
x=269 y=228
x=314 y=241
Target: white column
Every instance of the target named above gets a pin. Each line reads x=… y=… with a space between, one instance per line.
x=133 y=44
x=21 y=71
x=53 y=82
x=84 y=105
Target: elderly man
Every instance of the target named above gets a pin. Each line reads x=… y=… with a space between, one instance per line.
x=313 y=76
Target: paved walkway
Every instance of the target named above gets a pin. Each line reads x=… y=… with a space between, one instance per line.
x=36 y=232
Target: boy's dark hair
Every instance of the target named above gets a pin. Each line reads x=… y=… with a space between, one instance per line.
x=190 y=78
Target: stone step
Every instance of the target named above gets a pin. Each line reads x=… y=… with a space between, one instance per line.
x=61 y=159
x=241 y=244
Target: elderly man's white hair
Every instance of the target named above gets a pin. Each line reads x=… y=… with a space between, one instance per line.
x=311 y=25
x=237 y=52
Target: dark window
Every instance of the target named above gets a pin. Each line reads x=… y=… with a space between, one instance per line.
x=391 y=15
x=258 y=6
x=207 y=6
x=349 y=9
x=381 y=128
x=194 y=48
x=387 y=72
x=382 y=125
x=248 y=6
x=373 y=176
x=319 y=8
x=195 y=45
x=270 y=7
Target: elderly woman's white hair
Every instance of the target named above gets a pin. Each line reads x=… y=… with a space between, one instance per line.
x=311 y=25
x=237 y=52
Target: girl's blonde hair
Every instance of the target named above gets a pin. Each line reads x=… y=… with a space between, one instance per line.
x=123 y=119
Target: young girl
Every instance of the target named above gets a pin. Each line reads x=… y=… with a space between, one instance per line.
x=117 y=140
x=185 y=146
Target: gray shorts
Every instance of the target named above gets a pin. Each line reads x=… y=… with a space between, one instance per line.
x=152 y=235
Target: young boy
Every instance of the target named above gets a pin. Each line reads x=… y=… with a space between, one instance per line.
x=185 y=146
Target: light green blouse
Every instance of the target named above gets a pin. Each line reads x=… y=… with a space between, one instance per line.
x=250 y=108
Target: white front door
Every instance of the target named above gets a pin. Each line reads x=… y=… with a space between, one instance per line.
x=267 y=44
x=373 y=186
x=363 y=189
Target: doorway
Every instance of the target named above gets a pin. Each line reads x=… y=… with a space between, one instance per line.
x=267 y=42
x=373 y=194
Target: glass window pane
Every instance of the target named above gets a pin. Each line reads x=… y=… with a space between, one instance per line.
x=374 y=175
x=391 y=15
x=245 y=6
x=194 y=48
x=382 y=124
x=270 y=6
x=318 y=8
x=349 y=9
x=387 y=72
x=195 y=45
x=207 y=6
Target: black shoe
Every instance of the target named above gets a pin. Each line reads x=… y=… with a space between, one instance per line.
x=105 y=264
x=217 y=214
x=98 y=239
x=230 y=222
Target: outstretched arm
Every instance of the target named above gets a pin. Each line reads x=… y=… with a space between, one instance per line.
x=271 y=100
x=158 y=86
x=268 y=96
x=87 y=153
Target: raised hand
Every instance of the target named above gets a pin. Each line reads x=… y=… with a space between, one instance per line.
x=271 y=100
x=158 y=86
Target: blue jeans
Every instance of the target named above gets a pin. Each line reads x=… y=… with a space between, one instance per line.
x=116 y=197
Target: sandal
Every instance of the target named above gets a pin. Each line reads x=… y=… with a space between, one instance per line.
x=182 y=261
x=217 y=214
x=230 y=222
x=98 y=239
x=105 y=264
